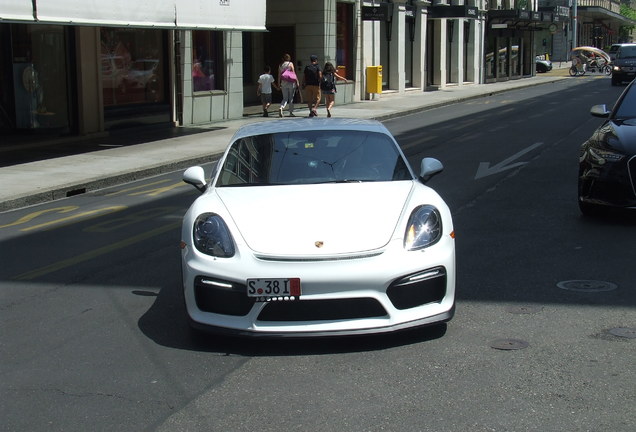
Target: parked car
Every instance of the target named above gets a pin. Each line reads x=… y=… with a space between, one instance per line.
x=607 y=163
x=624 y=64
x=543 y=65
x=315 y=227
x=142 y=73
x=113 y=71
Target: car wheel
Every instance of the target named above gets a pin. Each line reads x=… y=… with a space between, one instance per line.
x=614 y=82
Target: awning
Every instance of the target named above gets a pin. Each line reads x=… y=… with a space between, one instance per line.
x=453 y=12
x=16 y=10
x=246 y=15
x=222 y=14
x=602 y=14
x=514 y=19
x=140 y=13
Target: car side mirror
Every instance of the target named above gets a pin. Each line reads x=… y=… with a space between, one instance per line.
x=196 y=177
x=430 y=167
x=600 y=111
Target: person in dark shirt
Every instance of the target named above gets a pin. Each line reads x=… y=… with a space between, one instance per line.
x=311 y=85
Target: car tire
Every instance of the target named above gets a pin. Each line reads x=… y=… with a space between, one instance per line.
x=614 y=82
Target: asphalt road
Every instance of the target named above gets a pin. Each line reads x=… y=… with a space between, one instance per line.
x=94 y=337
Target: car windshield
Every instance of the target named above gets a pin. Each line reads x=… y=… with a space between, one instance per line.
x=627 y=107
x=626 y=52
x=309 y=157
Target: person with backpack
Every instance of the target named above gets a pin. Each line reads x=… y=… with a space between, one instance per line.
x=328 y=85
x=311 y=85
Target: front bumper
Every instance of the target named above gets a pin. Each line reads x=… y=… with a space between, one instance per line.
x=624 y=75
x=353 y=296
x=609 y=184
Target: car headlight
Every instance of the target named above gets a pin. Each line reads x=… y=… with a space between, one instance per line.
x=424 y=228
x=212 y=236
x=601 y=156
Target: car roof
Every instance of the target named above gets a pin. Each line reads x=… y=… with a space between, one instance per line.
x=304 y=124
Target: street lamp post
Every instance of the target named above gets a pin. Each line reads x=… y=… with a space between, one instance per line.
x=574 y=23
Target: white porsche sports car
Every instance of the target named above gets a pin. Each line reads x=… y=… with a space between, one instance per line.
x=317 y=227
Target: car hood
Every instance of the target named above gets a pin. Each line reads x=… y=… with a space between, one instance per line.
x=621 y=135
x=310 y=220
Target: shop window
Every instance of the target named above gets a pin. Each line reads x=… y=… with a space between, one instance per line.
x=491 y=59
x=344 y=39
x=207 y=60
x=39 y=68
x=133 y=66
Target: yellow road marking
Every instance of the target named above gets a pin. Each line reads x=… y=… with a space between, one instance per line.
x=157 y=191
x=87 y=215
x=94 y=253
x=123 y=191
x=31 y=216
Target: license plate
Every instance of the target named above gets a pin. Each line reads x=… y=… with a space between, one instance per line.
x=269 y=288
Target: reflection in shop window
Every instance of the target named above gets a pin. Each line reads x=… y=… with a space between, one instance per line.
x=207 y=60
x=39 y=68
x=132 y=66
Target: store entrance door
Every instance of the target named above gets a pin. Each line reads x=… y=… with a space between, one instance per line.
x=277 y=42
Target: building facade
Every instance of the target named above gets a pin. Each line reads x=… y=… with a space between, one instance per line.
x=595 y=23
x=68 y=67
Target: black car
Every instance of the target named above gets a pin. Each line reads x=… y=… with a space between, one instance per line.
x=624 y=64
x=542 y=64
x=607 y=162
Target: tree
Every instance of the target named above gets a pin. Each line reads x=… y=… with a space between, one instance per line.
x=625 y=32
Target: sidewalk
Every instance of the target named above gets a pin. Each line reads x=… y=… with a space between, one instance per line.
x=127 y=158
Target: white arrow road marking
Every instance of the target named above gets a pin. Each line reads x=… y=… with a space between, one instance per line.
x=485 y=169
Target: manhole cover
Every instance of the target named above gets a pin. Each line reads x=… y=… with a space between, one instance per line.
x=587 y=286
x=509 y=344
x=625 y=332
x=523 y=309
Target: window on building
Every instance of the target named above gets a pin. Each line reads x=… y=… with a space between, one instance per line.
x=39 y=67
x=207 y=60
x=133 y=66
x=344 y=39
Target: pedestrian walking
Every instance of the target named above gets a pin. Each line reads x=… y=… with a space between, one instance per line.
x=328 y=85
x=288 y=83
x=311 y=85
x=264 y=90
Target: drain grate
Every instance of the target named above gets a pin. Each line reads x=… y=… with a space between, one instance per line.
x=625 y=332
x=509 y=344
x=590 y=286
